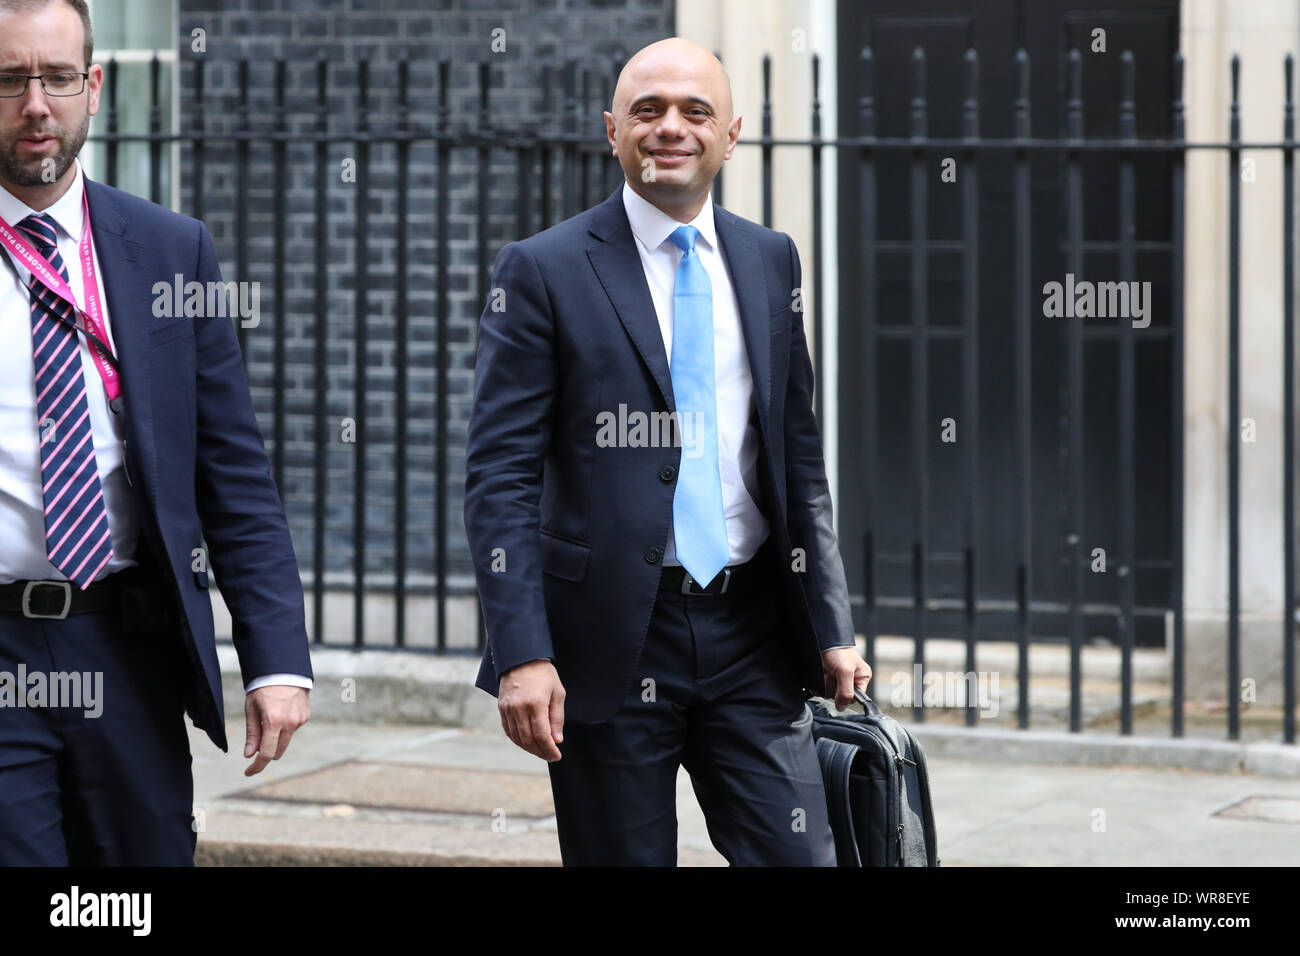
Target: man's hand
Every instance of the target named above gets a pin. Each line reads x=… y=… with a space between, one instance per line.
x=844 y=668
x=272 y=714
x=531 y=702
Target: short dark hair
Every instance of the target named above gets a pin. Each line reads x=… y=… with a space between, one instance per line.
x=83 y=11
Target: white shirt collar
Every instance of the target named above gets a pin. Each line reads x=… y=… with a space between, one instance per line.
x=652 y=226
x=66 y=211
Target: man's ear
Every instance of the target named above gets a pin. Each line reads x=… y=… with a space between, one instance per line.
x=609 y=131
x=733 y=135
x=94 y=83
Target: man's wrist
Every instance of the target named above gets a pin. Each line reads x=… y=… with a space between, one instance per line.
x=280 y=680
x=525 y=663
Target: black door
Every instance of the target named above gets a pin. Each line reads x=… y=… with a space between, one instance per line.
x=1047 y=29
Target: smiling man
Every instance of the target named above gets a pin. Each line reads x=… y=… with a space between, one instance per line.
x=652 y=605
x=130 y=463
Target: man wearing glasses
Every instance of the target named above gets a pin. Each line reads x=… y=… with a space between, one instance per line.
x=130 y=462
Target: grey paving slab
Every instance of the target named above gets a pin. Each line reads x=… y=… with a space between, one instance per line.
x=404 y=786
x=316 y=745
x=996 y=814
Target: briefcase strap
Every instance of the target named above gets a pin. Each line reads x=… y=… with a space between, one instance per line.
x=837 y=763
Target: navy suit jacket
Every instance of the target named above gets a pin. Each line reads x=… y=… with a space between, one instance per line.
x=195 y=453
x=568 y=537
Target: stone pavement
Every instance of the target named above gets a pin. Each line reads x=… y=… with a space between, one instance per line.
x=373 y=794
x=404 y=762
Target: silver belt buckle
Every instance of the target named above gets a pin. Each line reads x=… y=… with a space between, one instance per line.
x=67 y=599
x=687 y=581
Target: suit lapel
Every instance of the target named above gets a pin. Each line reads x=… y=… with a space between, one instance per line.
x=750 y=285
x=127 y=292
x=618 y=267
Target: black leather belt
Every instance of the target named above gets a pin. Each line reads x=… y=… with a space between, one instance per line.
x=677 y=579
x=55 y=600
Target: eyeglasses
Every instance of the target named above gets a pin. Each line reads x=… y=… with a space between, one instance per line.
x=55 y=84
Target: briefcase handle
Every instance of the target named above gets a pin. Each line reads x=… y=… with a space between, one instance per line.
x=869 y=706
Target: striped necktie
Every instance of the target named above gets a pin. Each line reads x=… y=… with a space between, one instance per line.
x=699 y=526
x=77 y=537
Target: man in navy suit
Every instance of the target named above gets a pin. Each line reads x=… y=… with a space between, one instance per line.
x=647 y=506
x=130 y=463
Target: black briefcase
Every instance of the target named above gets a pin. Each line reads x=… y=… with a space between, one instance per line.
x=877 y=787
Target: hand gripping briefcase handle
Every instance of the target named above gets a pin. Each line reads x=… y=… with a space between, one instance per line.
x=877 y=787
x=869 y=706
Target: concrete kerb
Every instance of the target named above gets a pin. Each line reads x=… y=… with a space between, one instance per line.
x=383 y=687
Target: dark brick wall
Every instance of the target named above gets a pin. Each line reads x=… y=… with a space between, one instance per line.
x=344 y=32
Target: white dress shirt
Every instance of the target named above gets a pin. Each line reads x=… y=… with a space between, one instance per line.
x=738 y=437
x=22 y=508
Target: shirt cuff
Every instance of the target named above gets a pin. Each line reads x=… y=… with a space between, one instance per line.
x=288 y=680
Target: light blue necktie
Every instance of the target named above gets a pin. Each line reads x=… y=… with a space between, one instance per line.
x=699 y=530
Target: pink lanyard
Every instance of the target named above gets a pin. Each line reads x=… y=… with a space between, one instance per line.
x=93 y=314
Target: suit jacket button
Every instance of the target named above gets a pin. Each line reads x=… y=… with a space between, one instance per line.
x=652 y=555
x=666 y=473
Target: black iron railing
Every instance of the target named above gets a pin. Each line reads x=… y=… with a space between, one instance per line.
x=559 y=170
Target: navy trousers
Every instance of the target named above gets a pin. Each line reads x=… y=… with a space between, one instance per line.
x=113 y=789
x=714 y=691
